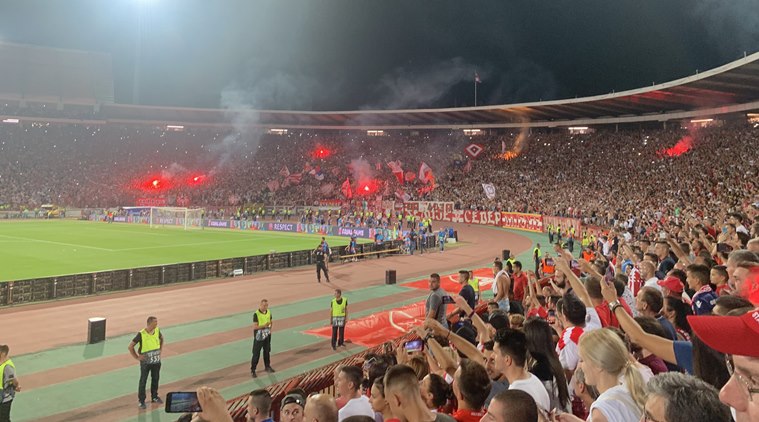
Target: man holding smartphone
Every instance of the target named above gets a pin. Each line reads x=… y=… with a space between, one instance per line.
x=150 y=340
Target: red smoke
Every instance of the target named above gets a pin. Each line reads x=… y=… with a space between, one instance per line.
x=681 y=147
x=367 y=187
x=321 y=152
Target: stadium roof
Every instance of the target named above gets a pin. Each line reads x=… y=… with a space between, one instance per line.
x=731 y=88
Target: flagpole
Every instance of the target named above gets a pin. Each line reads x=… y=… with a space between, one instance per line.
x=475 y=90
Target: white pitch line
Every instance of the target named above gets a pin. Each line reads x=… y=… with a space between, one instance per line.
x=179 y=245
x=57 y=243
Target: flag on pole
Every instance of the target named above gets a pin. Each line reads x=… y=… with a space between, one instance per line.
x=489 y=190
x=425 y=173
x=474 y=150
x=284 y=172
x=477 y=77
x=395 y=167
x=346 y=189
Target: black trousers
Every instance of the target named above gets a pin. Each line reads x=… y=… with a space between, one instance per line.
x=5 y=411
x=264 y=345
x=320 y=266
x=154 y=369
x=338 y=341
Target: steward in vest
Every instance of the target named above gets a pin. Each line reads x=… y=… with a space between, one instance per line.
x=150 y=340
x=261 y=338
x=475 y=283
x=9 y=385
x=338 y=315
x=536 y=256
x=550 y=234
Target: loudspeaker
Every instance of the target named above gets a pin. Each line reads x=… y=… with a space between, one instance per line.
x=505 y=254
x=390 y=277
x=95 y=330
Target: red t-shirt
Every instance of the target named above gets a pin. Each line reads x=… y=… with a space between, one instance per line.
x=520 y=283
x=607 y=318
x=465 y=415
x=539 y=311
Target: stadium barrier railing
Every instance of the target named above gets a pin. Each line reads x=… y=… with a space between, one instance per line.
x=18 y=292
x=321 y=380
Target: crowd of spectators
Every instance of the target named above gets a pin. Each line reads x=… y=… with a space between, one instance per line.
x=111 y=165
x=657 y=321
x=656 y=326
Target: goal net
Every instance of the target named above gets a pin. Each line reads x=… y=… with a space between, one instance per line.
x=186 y=218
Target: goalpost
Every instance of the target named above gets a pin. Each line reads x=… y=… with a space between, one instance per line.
x=186 y=218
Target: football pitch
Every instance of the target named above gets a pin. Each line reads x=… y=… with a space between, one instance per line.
x=44 y=248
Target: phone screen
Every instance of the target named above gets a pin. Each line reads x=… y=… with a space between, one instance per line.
x=549 y=261
x=182 y=402
x=414 y=346
x=448 y=299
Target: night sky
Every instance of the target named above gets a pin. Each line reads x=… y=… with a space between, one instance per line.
x=350 y=54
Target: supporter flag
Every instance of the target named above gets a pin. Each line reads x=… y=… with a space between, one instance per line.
x=346 y=189
x=295 y=178
x=397 y=170
x=318 y=174
x=284 y=172
x=410 y=176
x=425 y=173
x=468 y=166
x=489 y=190
x=326 y=189
x=477 y=77
x=378 y=165
x=273 y=185
x=474 y=150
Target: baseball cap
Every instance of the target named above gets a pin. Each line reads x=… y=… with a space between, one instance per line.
x=294 y=398
x=672 y=283
x=732 y=335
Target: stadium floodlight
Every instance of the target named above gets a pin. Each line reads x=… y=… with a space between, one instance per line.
x=13 y=121
x=186 y=218
x=701 y=120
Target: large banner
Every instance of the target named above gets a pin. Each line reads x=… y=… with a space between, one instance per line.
x=151 y=202
x=565 y=224
x=444 y=211
x=519 y=221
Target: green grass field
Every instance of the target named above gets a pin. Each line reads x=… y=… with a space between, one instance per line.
x=31 y=249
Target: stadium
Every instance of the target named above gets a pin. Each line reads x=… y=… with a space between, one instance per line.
x=637 y=210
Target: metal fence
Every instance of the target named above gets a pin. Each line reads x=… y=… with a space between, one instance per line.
x=87 y=284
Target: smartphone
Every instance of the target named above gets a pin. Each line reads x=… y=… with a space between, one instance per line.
x=662 y=235
x=182 y=402
x=724 y=248
x=575 y=264
x=414 y=346
x=448 y=300
x=549 y=262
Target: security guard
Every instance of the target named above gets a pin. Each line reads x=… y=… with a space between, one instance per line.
x=261 y=337
x=150 y=340
x=536 y=255
x=550 y=234
x=338 y=316
x=9 y=385
x=321 y=265
x=475 y=283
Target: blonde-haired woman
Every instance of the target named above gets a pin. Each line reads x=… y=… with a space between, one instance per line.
x=604 y=361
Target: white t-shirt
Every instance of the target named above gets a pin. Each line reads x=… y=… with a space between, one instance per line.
x=653 y=282
x=356 y=407
x=592 y=320
x=617 y=405
x=534 y=388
